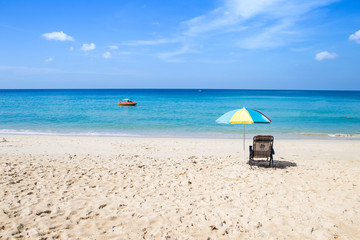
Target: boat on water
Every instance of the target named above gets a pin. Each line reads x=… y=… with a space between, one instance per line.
x=127 y=102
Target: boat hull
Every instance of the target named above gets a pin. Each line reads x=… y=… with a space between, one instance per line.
x=127 y=104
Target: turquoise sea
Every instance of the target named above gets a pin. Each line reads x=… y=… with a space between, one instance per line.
x=177 y=112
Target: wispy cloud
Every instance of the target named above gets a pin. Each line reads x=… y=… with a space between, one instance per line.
x=50 y=59
x=273 y=36
x=152 y=42
x=355 y=37
x=58 y=36
x=26 y=70
x=168 y=55
x=107 y=55
x=262 y=23
x=325 y=55
x=125 y=53
x=251 y=25
x=88 y=47
x=300 y=49
x=113 y=47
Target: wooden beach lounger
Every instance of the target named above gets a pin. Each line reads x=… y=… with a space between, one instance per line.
x=262 y=148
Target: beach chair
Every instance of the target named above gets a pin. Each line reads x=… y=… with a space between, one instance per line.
x=262 y=148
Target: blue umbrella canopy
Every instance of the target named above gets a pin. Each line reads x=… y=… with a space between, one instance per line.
x=243 y=116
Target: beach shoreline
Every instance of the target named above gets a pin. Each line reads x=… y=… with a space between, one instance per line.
x=237 y=135
x=90 y=187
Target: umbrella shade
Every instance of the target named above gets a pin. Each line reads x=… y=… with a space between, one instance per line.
x=243 y=116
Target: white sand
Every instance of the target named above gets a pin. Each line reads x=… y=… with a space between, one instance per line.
x=149 y=188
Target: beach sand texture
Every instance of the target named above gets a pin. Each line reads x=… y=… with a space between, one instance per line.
x=168 y=188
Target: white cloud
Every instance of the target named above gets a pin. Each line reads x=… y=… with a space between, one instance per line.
x=355 y=37
x=152 y=42
x=113 y=47
x=261 y=23
x=124 y=53
x=248 y=8
x=271 y=37
x=50 y=59
x=88 y=47
x=246 y=24
x=168 y=55
x=58 y=36
x=71 y=48
x=325 y=55
x=107 y=55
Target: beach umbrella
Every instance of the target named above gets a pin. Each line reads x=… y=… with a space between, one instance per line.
x=243 y=116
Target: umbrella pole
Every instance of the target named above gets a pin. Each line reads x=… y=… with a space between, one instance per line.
x=244 y=143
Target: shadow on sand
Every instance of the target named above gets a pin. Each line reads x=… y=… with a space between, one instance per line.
x=277 y=164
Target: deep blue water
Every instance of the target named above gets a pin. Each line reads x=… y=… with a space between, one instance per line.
x=176 y=112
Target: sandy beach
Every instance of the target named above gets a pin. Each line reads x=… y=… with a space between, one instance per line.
x=176 y=188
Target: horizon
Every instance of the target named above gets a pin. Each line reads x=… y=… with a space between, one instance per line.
x=219 y=44
x=196 y=89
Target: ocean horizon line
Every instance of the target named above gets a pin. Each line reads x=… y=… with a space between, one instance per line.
x=196 y=89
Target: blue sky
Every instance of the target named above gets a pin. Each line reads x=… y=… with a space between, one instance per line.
x=243 y=44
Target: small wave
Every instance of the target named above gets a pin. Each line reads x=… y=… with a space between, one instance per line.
x=344 y=135
x=335 y=135
x=53 y=133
